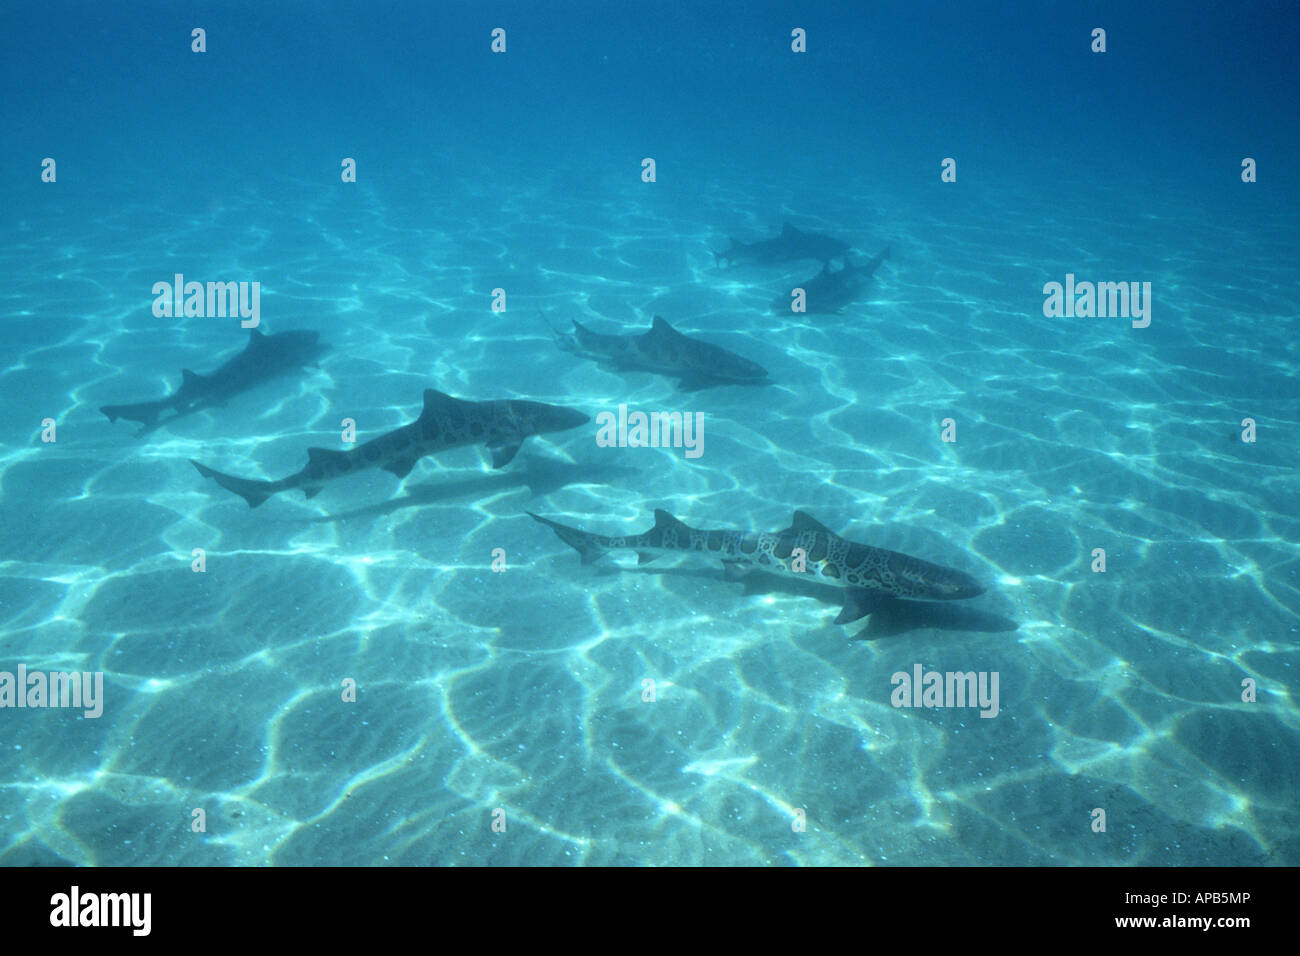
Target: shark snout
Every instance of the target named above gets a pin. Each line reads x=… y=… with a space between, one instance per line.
x=560 y=419
x=961 y=585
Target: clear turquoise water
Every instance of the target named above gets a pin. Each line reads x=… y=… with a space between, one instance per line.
x=522 y=691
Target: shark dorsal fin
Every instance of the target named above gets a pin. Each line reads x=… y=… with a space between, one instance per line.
x=805 y=522
x=660 y=327
x=189 y=378
x=436 y=402
x=256 y=338
x=789 y=230
x=666 y=522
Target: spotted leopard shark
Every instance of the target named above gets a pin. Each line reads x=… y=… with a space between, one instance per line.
x=868 y=575
x=695 y=363
x=445 y=422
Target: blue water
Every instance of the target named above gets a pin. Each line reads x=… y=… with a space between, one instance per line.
x=520 y=696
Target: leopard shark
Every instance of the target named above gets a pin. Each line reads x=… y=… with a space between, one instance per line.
x=869 y=576
x=831 y=290
x=790 y=245
x=445 y=422
x=264 y=357
x=663 y=349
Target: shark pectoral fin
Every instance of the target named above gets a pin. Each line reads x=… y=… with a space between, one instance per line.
x=502 y=455
x=858 y=603
x=190 y=379
x=313 y=491
x=401 y=467
x=644 y=557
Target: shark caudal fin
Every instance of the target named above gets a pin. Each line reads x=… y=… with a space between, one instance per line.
x=588 y=548
x=254 y=492
x=565 y=340
x=728 y=253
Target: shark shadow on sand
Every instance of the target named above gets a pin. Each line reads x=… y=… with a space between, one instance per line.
x=541 y=476
x=891 y=616
x=264 y=358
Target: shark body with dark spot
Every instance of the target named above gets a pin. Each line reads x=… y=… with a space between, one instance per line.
x=264 y=357
x=663 y=349
x=444 y=423
x=791 y=245
x=868 y=575
x=832 y=289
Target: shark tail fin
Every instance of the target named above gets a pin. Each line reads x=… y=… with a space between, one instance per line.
x=565 y=340
x=726 y=254
x=587 y=545
x=252 y=491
